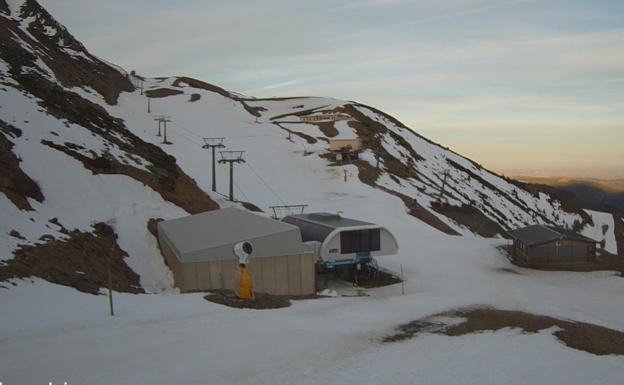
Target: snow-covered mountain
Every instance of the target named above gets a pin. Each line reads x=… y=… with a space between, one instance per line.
x=79 y=148
x=84 y=176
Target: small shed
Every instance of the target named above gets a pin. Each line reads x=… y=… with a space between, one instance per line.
x=199 y=251
x=345 y=150
x=343 y=240
x=540 y=244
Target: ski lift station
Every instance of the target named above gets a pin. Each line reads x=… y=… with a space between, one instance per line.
x=341 y=241
x=199 y=250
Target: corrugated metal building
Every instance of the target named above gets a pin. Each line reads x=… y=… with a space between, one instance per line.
x=539 y=244
x=344 y=240
x=199 y=251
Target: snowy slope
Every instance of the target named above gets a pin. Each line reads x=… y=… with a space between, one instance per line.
x=91 y=167
x=602 y=230
x=278 y=159
x=287 y=160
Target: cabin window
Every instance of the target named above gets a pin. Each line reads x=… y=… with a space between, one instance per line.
x=357 y=241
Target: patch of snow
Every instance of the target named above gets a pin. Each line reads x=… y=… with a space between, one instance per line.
x=602 y=230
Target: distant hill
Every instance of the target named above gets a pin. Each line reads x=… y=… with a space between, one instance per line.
x=596 y=194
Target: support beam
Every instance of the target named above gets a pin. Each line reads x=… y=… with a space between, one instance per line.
x=213 y=143
x=231 y=157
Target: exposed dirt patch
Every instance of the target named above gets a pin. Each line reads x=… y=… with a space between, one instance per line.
x=251 y=207
x=152 y=226
x=255 y=111
x=577 y=335
x=306 y=137
x=420 y=212
x=70 y=61
x=162 y=92
x=200 y=85
x=60 y=226
x=298 y=113
x=568 y=199
x=327 y=128
x=10 y=130
x=194 y=97
x=80 y=261
x=14 y=182
x=513 y=199
x=366 y=172
x=429 y=218
x=165 y=177
x=16 y=234
x=261 y=300
x=470 y=217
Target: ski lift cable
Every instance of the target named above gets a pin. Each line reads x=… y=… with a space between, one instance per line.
x=222 y=166
x=235 y=184
x=265 y=183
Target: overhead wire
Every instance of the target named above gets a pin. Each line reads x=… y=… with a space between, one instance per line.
x=248 y=164
x=236 y=186
x=265 y=183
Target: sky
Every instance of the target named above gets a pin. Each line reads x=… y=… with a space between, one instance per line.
x=524 y=87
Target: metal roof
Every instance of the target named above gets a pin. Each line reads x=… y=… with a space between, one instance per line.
x=330 y=220
x=539 y=234
x=211 y=235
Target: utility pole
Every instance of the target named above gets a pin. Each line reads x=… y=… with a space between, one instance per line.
x=446 y=174
x=110 y=277
x=165 y=129
x=158 y=118
x=163 y=119
x=213 y=143
x=111 y=226
x=148 y=105
x=231 y=157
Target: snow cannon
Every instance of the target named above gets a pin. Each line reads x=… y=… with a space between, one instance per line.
x=244 y=289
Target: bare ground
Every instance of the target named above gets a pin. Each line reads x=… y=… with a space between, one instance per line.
x=162 y=92
x=80 y=261
x=470 y=217
x=261 y=300
x=14 y=182
x=577 y=335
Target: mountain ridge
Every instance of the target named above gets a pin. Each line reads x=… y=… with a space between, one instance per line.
x=85 y=123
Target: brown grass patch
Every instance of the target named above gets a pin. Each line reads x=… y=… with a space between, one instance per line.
x=261 y=300
x=200 y=85
x=162 y=92
x=470 y=217
x=80 y=261
x=327 y=128
x=71 y=71
x=152 y=225
x=166 y=178
x=194 y=97
x=14 y=182
x=251 y=207
x=307 y=138
x=577 y=335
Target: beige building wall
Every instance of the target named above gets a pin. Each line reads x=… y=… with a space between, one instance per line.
x=287 y=275
x=337 y=144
